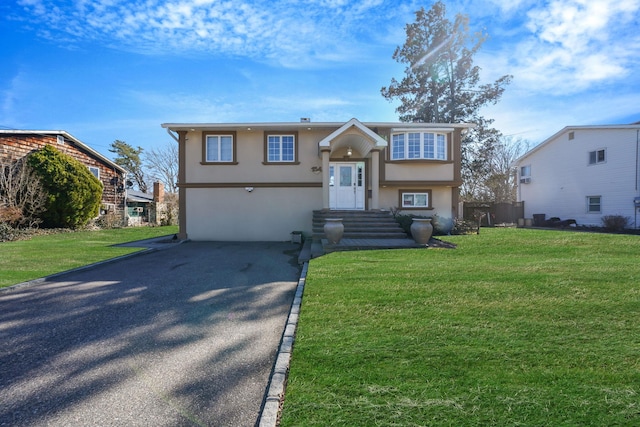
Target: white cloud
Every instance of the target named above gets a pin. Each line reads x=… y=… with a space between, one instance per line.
x=285 y=32
x=10 y=99
x=577 y=43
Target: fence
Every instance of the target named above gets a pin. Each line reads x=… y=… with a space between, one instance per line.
x=495 y=213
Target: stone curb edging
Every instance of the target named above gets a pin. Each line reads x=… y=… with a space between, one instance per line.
x=277 y=383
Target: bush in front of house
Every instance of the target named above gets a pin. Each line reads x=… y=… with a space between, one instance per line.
x=441 y=226
x=9 y=233
x=615 y=222
x=22 y=195
x=463 y=226
x=74 y=193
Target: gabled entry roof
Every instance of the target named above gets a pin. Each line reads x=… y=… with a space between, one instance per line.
x=355 y=135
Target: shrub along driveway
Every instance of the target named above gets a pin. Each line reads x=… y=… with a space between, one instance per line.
x=184 y=336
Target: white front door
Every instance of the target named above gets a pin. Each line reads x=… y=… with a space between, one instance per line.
x=346 y=185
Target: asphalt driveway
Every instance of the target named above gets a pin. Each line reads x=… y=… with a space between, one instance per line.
x=178 y=337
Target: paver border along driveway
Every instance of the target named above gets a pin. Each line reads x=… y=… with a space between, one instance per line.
x=178 y=337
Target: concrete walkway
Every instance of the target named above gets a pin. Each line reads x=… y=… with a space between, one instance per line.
x=179 y=337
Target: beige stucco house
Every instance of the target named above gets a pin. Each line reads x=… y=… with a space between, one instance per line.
x=261 y=181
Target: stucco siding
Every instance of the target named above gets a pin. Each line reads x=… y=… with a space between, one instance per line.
x=265 y=214
x=562 y=178
x=441 y=201
x=250 y=159
x=422 y=171
x=216 y=203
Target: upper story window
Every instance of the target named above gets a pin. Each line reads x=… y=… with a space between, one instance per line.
x=418 y=145
x=219 y=147
x=525 y=174
x=281 y=148
x=598 y=156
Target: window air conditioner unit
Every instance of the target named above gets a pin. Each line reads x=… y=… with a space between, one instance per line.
x=525 y=180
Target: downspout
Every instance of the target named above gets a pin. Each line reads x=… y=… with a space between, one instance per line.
x=635 y=207
x=172 y=135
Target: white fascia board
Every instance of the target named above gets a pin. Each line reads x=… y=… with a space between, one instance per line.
x=306 y=125
x=568 y=129
x=380 y=142
x=421 y=128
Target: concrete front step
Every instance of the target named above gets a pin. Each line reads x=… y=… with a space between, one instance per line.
x=395 y=231
x=350 y=235
x=360 y=224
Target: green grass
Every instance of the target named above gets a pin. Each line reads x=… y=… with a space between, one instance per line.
x=514 y=327
x=42 y=256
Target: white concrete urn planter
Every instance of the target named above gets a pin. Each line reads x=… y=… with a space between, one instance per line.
x=421 y=230
x=333 y=230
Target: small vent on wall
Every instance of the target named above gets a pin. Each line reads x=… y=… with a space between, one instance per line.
x=60 y=139
x=572 y=135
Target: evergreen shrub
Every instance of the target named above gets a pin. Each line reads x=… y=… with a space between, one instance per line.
x=74 y=193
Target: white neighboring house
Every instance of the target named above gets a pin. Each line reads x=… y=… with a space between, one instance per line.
x=583 y=173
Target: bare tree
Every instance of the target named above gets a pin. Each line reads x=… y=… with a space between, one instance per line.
x=22 y=196
x=162 y=164
x=501 y=183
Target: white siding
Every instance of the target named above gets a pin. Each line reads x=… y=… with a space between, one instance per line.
x=562 y=178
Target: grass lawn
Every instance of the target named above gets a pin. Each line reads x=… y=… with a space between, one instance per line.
x=515 y=327
x=45 y=255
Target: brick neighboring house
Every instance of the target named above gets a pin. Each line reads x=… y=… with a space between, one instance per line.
x=15 y=144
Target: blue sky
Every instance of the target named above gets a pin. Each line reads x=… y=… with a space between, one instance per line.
x=116 y=69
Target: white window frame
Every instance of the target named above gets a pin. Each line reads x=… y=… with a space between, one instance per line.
x=96 y=169
x=277 y=141
x=219 y=151
x=590 y=204
x=430 y=145
x=525 y=174
x=595 y=154
x=414 y=198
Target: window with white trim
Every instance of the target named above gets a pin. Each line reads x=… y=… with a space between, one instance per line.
x=281 y=148
x=597 y=156
x=95 y=171
x=525 y=174
x=410 y=199
x=218 y=147
x=418 y=145
x=594 y=204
